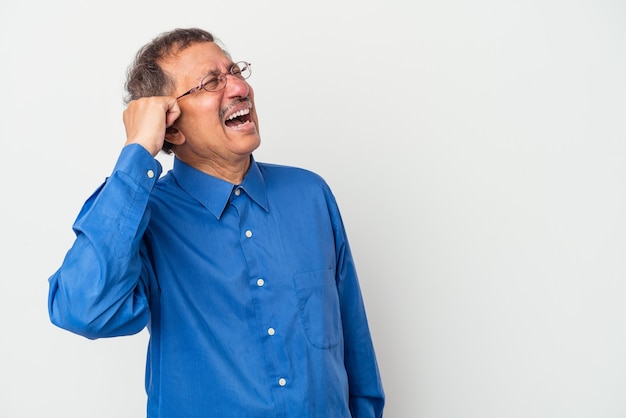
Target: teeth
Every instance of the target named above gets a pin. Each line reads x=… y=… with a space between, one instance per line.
x=237 y=114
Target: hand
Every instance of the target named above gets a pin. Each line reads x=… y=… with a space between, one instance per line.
x=146 y=119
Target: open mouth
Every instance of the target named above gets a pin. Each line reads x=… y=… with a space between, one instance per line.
x=240 y=117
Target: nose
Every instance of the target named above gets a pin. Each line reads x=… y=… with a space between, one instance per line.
x=236 y=86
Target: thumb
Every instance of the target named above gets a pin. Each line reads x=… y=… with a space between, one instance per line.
x=172 y=112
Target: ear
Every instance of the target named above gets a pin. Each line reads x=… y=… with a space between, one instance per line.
x=174 y=136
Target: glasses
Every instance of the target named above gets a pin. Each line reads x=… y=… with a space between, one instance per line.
x=215 y=82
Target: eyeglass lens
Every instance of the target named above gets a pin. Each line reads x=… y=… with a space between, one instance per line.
x=239 y=69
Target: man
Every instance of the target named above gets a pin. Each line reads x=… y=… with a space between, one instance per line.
x=241 y=271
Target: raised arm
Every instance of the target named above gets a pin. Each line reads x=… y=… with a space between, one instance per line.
x=102 y=286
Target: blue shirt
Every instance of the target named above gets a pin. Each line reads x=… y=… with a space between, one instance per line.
x=249 y=292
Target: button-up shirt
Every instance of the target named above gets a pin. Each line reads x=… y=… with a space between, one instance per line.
x=249 y=291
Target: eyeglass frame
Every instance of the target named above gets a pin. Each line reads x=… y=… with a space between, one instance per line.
x=219 y=77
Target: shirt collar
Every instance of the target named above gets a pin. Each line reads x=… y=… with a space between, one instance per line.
x=214 y=193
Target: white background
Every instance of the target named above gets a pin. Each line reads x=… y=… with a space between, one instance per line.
x=477 y=150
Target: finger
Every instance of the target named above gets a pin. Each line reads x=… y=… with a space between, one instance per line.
x=172 y=113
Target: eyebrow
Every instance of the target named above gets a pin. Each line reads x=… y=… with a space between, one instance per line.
x=215 y=71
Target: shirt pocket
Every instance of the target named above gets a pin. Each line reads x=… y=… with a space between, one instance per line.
x=318 y=303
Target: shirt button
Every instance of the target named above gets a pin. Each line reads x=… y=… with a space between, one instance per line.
x=271 y=331
x=260 y=282
x=282 y=381
x=237 y=192
x=150 y=174
x=248 y=233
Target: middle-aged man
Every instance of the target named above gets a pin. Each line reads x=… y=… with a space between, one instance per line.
x=241 y=270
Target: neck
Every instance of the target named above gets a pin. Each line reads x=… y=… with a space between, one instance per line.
x=230 y=171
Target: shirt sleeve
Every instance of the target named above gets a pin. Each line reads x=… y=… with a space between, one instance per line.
x=101 y=289
x=367 y=397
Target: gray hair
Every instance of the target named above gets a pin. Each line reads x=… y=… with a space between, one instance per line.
x=146 y=78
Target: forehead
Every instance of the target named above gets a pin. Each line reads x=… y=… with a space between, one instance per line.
x=190 y=64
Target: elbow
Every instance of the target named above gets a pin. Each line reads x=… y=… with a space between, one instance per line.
x=104 y=325
x=93 y=320
x=75 y=325
x=65 y=316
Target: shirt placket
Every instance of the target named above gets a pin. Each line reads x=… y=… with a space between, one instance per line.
x=252 y=238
